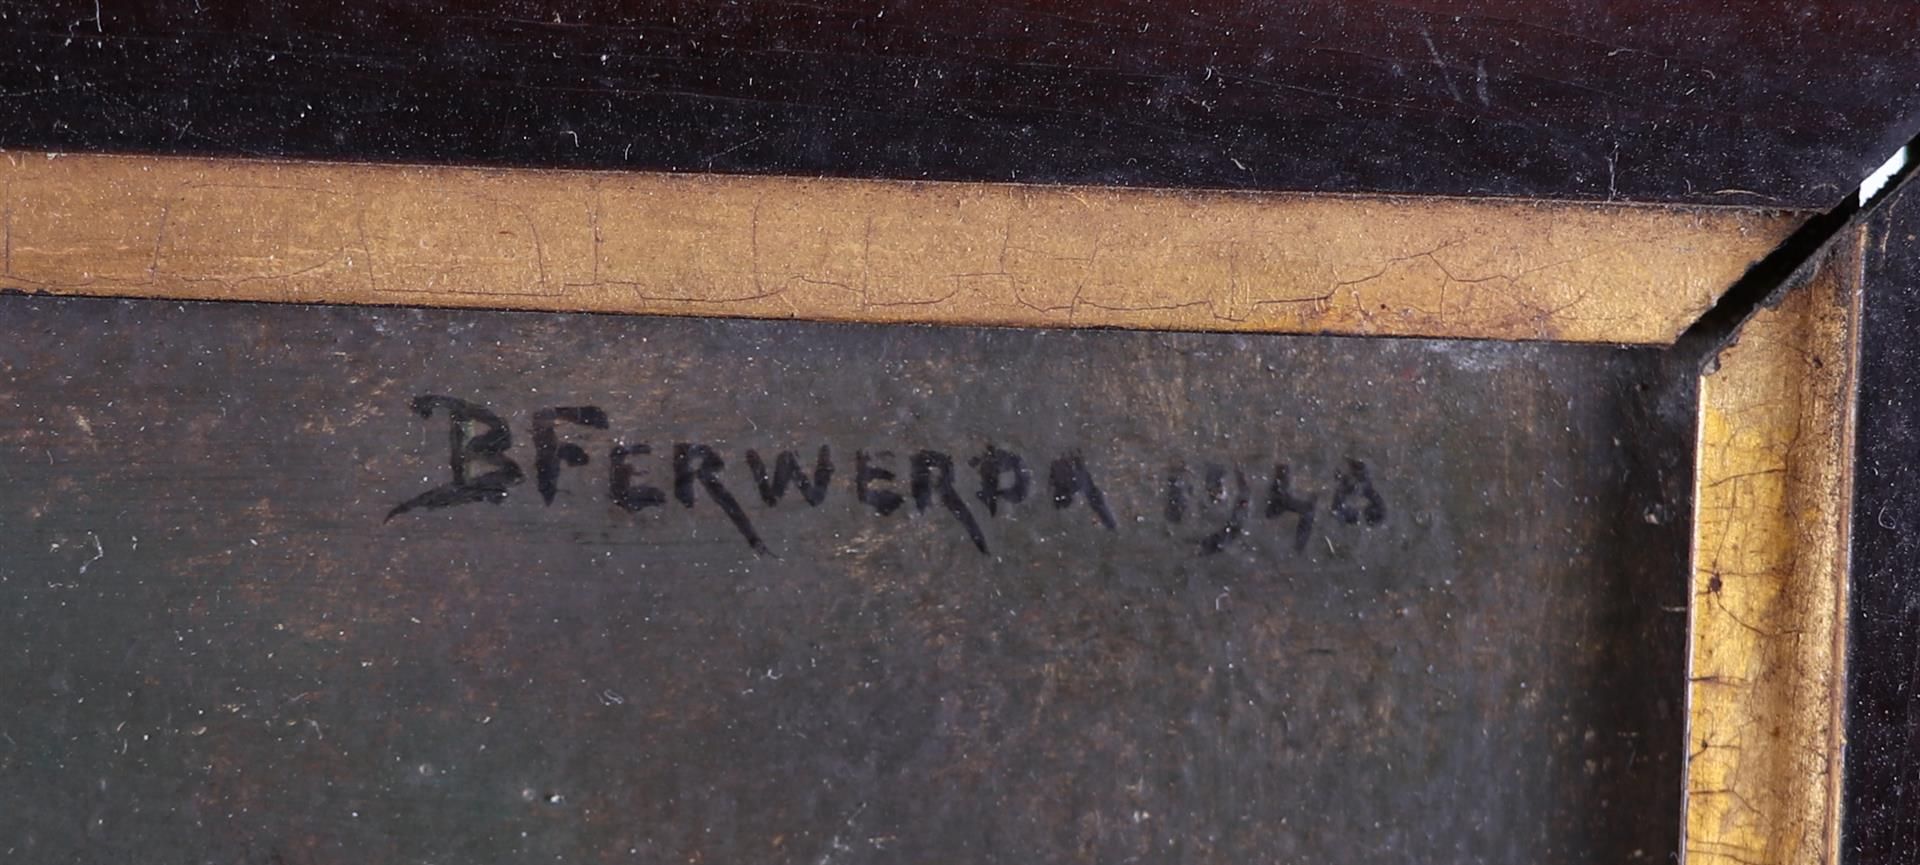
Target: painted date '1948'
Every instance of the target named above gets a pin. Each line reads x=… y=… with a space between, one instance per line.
x=478 y=441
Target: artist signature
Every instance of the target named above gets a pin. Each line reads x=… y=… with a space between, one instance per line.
x=481 y=471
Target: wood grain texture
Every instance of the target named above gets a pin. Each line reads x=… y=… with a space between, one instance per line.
x=869 y=251
x=1770 y=561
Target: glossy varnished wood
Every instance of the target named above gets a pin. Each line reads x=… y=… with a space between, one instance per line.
x=1764 y=102
x=1882 y=808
